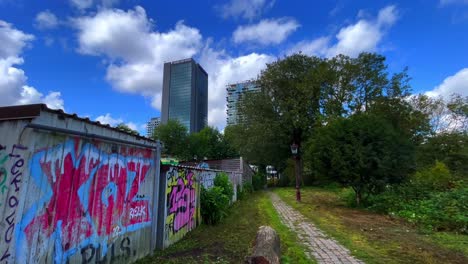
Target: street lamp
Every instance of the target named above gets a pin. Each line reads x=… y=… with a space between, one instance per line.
x=295 y=153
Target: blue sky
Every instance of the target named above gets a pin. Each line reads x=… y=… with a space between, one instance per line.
x=103 y=58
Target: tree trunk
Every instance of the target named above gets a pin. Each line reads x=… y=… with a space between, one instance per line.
x=358 y=197
x=267 y=247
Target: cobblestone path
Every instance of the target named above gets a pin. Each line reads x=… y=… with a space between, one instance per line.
x=322 y=248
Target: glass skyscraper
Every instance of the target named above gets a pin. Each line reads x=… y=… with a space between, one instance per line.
x=185 y=94
x=235 y=94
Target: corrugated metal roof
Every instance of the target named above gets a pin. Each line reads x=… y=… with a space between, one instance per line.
x=32 y=111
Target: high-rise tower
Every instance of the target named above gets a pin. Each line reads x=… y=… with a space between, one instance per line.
x=185 y=94
x=235 y=94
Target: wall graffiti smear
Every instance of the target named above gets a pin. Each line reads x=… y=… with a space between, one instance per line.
x=88 y=197
x=182 y=201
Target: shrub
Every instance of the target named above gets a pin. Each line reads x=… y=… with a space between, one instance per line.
x=441 y=211
x=247 y=189
x=258 y=181
x=222 y=180
x=216 y=200
x=429 y=199
x=214 y=205
x=435 y=178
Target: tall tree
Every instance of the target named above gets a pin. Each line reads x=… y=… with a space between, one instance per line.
x=364 y=152
x=211 y=144
x=173 y=135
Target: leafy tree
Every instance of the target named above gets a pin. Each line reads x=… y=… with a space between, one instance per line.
x=210 y=143
x=124 y=127
x=285 y=111
x=449 y=148
x=445 y=116
x=173 y=135
x=363 y=151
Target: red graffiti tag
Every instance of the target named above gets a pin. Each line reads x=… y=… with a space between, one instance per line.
x=98 y=195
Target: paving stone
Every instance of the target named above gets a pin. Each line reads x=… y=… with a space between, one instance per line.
x=319 y=246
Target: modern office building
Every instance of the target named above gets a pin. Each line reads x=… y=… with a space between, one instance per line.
x=185 y=94
x=152 y=125
x=235 y=93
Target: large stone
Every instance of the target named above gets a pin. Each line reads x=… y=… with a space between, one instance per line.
x=266 y=248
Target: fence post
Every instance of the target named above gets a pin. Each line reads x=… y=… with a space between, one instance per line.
x=161 y=217
x=155 y=198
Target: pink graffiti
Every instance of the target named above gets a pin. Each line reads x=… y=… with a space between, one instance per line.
x=92 y=193
x=182 y=203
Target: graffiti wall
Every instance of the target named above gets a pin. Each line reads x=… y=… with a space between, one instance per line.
x=183 y=186
x=72 y=200
x=182 y=202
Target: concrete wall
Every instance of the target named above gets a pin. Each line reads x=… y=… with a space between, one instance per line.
x=71 y=199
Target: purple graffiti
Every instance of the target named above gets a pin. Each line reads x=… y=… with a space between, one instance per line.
x=182 y=201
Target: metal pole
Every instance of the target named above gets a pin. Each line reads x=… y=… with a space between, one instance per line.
x=298 y=180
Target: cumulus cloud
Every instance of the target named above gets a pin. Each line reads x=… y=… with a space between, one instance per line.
x=457 y=83
x=267 y=31
x=13 y=80
x=224 y=69
x=107 y=119
x=364 y=35
x=46 y=20
x=136 y=53
x=247 y=9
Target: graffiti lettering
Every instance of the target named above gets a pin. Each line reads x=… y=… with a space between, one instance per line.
x=91 y=252
x=87 y=193
x=139 y=211
x=207 y=178
x=181 y=201
x=13 y=202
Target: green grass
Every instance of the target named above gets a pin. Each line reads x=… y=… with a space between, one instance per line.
x=372 y=237
x=232 y=240
x=292 y=251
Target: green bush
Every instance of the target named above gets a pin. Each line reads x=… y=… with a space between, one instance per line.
x=441 y=211
x=214 y=205
x=258 y=181
x=436 y=178
x=243 y=192
x=222 y=180
x=215 y=201
x=432 y=198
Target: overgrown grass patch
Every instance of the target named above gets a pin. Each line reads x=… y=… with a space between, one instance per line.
x=232 y=240
x=372 y=237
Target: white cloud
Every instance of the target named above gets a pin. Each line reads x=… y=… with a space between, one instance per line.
x=247 y=9
x=13 y=40
x=13 y=81
x=224 y=69
x=109 y=120
x=137 y=54
x=267 y=31
x=363 y=36
x=46 y=20
x=457 y=83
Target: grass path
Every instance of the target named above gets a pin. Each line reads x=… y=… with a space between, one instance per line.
x=319 y=246
x=232 y=240
x=375 y=238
